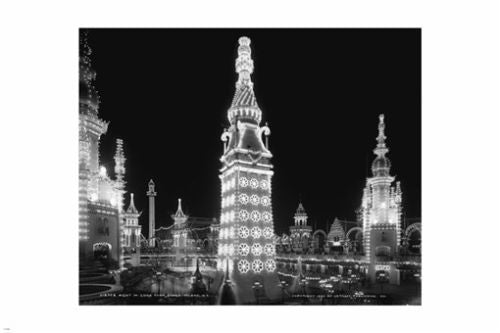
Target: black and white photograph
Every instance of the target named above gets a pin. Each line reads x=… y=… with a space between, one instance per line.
x=235 y=166
x=250 y=167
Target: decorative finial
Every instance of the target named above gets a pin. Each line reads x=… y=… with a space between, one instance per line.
x=244 y=63
x=381 y=148
x=179 y=214
x=151 y=188
x=131 y=206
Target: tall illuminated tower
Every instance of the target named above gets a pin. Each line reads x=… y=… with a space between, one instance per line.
x=91 y=127
x=246 y=232
x=381 y=210
x=151 y=194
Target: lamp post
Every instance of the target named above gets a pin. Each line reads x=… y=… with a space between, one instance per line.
x=283 y=285
x=256 y=287
x=418 y=281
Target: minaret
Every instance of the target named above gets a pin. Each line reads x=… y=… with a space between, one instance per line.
x=381 y=209
x=246 y=229
x=151 y=194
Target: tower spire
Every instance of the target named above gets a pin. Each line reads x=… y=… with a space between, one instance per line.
x=179 y=216
x=244 y=63
x=244 y=105
x=381 y=148
x=131 y=207
x=179 y=212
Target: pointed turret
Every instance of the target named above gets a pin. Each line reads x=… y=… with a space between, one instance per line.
x=179 y=216
x=131 y=207
x=300 y=215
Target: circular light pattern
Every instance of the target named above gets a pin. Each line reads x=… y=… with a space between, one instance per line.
x=266 y=217
x=265 y=201
x=243 y=232
x=243 y=249
x=257 y=266
x=256 y=232
x=268 y=232
x=254 y=183
x=270 y=265
x=243 y=198
x=254 y=199
x=243 y=215
x=264 y=184
x=243 y=266
x=255 y=216
x=256 y=249
x=269 y=249
x=243 y=182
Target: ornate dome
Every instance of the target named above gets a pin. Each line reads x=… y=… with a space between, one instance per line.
x=381 y=166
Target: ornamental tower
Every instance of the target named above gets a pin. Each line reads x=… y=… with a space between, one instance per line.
x=180 y=231
x=132 y=229
x=300 y=232
x=246 y=232
x=151 y=194
x=381 y=209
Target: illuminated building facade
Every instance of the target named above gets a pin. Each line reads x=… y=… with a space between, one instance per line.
x=100 y=197
x=381 y=212
x=246 y=223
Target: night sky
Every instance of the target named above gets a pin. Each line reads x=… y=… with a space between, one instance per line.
x=166 y=93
